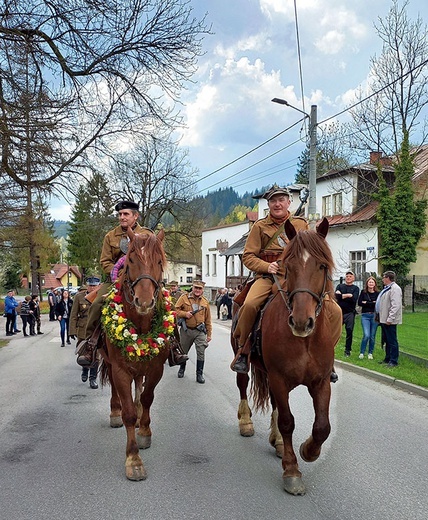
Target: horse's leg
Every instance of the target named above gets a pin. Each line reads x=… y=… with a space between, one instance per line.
x=137 y=398
x=115 y=406
x=246 y=428
x=291 y=474
x=275 y=437
x=310 y=450
x=134 y=468
x=144 y=433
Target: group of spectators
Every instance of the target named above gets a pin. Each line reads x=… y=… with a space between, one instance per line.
x=378 y=307
x=224 y=300
x=28 y=309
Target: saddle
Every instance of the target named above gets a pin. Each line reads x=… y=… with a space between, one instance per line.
x=254 y=340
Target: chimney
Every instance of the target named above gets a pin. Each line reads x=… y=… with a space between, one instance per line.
x=375 y=157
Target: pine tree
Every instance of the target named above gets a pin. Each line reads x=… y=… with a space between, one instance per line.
x=401 y=218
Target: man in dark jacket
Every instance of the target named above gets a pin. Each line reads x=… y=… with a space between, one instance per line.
x=347 y=297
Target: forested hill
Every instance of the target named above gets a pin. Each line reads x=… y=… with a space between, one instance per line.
x=214 y=206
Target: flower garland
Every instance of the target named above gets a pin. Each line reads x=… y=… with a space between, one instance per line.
x=122 y=332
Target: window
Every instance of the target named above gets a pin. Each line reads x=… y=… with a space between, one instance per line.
x=326 y=206
x=207 y=265
x=337 y=204
x=358 y=263
x=189 y=270
x=232 y=266
x=189 y=279
x=214 y=265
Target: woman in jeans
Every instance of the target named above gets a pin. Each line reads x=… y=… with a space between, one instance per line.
x=367 y=301
x=62 y=311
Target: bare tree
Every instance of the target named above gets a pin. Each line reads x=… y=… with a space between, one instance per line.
x=397 y=88
x=111 y=63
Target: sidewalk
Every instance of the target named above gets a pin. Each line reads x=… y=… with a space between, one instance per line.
x=382 y=378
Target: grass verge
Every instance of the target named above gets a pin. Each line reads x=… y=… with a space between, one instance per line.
x=412 y=339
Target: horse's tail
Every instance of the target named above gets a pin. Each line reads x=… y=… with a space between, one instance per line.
x=104 y=373
x=260 y=388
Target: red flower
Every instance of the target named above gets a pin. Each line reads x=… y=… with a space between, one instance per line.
x=162 y=335
x=117 y=298
x=122 y=314
x=112 y=305
x=139 y=341
x=132 y=330
x=130 y=348
x=165 y=324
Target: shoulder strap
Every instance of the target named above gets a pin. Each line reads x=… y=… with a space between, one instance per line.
x=276 y=235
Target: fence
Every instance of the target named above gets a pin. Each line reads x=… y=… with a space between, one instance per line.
x=415 y=293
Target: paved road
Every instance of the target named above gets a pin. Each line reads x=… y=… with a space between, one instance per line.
x=60 y=459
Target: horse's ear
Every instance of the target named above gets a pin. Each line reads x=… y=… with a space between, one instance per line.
x=131 y=234
x=322 y=228
x=289 y=229
x=161 y=235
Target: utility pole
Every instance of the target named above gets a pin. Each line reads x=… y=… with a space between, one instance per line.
x=312 y=206
x=312 y=209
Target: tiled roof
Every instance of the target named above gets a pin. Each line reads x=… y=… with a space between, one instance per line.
x=362 y=215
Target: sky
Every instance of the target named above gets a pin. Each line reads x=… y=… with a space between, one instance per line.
x=250 y=58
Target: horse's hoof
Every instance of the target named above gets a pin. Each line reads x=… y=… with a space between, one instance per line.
x=304 y=455
x=294 y=486
x=116 y=421
x=279 y=450
x=144 y=441
x=246 y=430
x=135 y=473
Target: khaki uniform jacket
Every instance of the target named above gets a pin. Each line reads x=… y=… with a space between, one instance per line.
x=260 y=234
x=79 y=315
x=185 y=304
x=111 y=251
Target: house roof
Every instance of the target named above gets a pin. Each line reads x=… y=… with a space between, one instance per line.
x=362 y=215
x=237 y=248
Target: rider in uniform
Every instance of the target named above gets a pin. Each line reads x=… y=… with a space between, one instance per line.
x=115 y=246
x=264 y=245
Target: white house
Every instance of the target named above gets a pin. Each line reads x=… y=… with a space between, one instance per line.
x=183 y=273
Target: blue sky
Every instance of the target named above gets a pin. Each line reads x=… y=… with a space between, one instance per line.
x=250 y=58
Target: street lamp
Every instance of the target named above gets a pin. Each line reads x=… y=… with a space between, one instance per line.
x=312 y=208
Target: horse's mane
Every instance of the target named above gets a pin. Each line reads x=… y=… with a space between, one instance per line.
x=149 y=250
x=314 y=244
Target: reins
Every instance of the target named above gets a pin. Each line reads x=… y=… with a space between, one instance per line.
x=287 y=296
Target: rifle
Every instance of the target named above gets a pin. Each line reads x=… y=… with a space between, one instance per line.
x=303 y=196
x=182 y=321
x=90 y=297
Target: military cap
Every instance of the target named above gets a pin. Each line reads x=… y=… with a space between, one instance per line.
x=174 y=282
x=93 y=280
x=275 y=190
x=126 y=204
x=199 y=283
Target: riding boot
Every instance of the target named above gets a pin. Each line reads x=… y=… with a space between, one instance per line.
x=199 y=368
x=240 y=364
x=182 y=369
x=176 y=356
x=87 y=353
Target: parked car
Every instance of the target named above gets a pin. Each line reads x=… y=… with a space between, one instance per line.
x=71 y=290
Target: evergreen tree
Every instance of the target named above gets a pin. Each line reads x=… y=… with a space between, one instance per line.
x=401 y=218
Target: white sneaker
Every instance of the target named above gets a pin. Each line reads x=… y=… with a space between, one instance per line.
x=361 y=356
x=370 y=356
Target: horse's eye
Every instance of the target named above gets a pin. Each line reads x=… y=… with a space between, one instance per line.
x=323 y=266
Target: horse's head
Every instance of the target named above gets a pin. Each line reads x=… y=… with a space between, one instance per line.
x=308 y=266
x=142 y=274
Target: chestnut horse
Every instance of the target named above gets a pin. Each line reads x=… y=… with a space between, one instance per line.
x=300 y=328
x=140 y=293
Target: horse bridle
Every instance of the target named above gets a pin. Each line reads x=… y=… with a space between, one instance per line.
x=288 y=296
x=131 y=284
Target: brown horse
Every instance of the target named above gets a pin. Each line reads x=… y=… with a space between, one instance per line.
x=141 y=298
x=300 y=327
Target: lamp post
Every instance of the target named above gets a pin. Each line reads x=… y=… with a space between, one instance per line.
x=312 y=206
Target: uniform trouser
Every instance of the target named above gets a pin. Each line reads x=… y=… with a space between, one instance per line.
x=256 y=297
x=193 y=336
x=94 y=314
